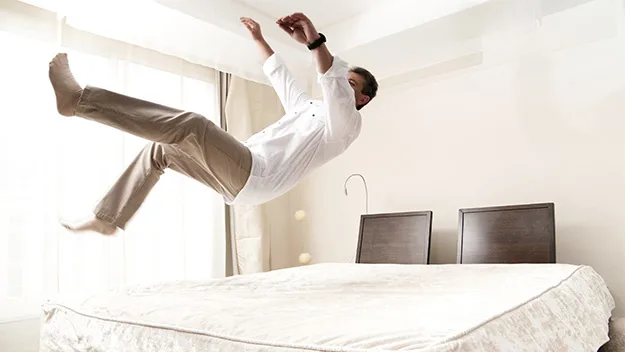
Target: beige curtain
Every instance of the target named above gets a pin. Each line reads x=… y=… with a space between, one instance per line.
x=223 y=87
x=248 y=107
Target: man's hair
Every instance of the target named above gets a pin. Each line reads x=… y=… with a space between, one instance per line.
x=370 y=86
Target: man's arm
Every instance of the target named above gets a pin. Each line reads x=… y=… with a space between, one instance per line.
x=265 y=49
x=301 y=28
x=287 y=89
x=343 y=119
x=322 y=55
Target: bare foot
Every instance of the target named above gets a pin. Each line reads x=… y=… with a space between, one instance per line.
x=94 y=224
x=66 y=88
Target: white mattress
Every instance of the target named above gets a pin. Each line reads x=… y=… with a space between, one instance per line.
x=346 y=307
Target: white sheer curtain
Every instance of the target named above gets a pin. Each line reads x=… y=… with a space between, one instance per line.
x=53 y=166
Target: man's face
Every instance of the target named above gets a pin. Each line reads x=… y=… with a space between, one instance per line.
x=357 y=82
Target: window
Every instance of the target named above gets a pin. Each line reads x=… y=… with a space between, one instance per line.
x=53 y=166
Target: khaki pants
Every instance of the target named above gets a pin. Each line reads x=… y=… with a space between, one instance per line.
x=183 y=141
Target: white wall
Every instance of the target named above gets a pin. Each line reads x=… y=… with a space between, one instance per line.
x=542 y=119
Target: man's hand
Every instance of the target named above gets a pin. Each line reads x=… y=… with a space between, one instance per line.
x=253 y=27
x=299 y=27
x=291 y=28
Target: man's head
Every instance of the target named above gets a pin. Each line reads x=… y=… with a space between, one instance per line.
x=364 y=84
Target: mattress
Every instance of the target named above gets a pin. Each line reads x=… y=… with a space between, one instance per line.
x=345 y=307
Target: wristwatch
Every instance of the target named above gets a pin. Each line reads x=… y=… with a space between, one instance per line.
x=317 y=43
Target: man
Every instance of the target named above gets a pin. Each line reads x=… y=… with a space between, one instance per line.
x=265 y=166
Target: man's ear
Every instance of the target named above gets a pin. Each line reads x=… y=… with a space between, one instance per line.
x=364 y=99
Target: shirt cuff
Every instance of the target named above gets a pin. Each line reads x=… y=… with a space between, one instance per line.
x=272 y=63
x=339 y=68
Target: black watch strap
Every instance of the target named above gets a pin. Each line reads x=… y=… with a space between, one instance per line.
x=317 y=43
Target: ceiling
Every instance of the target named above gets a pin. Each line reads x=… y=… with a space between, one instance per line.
x=391 y=38
x=350 y=28
x=322 y=12
x=388 y=37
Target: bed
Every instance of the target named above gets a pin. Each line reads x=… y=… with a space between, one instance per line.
x=345 y=307
x=504 y=294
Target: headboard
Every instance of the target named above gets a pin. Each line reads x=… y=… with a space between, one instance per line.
x=507 y=234
x=395 y=238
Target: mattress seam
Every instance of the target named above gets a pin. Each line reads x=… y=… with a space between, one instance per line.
x=218 y=336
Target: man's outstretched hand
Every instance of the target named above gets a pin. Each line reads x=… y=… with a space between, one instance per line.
x=299 y=27
x=253 y=27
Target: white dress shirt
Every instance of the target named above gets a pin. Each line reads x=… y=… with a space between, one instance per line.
x=310 y=134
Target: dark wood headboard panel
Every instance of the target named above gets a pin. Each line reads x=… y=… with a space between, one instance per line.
x=507 y=234
x=395 y=238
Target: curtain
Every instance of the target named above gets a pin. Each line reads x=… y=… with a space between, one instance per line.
x=55 y=167
x=249 y=108
x=223 y=83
